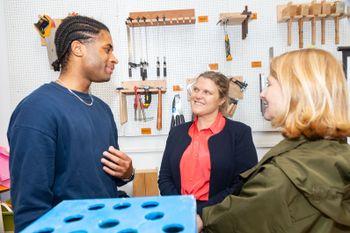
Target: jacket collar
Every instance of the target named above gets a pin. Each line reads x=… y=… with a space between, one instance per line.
x=282 y=147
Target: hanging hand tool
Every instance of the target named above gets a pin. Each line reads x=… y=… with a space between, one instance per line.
x=326 y=10
x=232 y=106
x=158 y=39
x=177 y=117
x=164 y=68
x=227 y=42
x=159 y=109
x=44 y=25
x=145 y=66
x=158 y=68
x=339 y=10
x=313 y=30
x=164 y=52
x=131 y=62
x=245 y=22
x=141 y=106
x=314 y=11
x=136 y=103
x=123 y=112
x=300 y=29
x=304 y=11
x=142 y=64
x=224 y=23
x=148 y=96
x=289 y=11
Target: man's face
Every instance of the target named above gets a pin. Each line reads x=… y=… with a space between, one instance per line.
x=99 y=60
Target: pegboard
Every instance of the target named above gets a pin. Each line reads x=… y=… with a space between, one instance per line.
x=188 y=50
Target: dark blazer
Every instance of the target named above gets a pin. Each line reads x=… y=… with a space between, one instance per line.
x=231 y=152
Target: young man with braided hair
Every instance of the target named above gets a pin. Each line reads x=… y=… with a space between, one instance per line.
x=63 y=140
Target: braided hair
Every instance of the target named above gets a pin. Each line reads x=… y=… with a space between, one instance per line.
x=73 y=28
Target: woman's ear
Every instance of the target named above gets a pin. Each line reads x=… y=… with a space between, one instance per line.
x=77 y=48
x=222 y=101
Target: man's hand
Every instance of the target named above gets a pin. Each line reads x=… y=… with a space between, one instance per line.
x=199 y=224
x=117 y=163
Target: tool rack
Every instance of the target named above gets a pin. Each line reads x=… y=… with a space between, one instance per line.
x=161 y=18
x=312 y=11
x=237 y=18
x=128 y=88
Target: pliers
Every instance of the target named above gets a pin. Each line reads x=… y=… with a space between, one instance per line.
x=177 y=116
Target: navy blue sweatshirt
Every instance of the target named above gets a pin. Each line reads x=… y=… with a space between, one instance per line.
x=56 y=144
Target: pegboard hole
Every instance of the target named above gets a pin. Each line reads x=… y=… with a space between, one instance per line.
x=121 y=206
x=73 y=218
x=173 y=228
x=45 y=230
x=109 y=223
x=150 y=204
x=128 y=230
x=154 y=215
x=96 y=206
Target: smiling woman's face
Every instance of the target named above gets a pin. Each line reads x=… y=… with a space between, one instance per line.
x=272 y=98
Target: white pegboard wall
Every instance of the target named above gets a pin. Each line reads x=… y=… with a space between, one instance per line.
x=188 y=48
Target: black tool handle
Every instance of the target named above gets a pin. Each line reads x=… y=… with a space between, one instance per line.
x=130 y=72
x=144 y=77
x=158 y=69
x=164 y=69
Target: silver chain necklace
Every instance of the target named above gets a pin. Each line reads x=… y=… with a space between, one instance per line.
x=88 y=104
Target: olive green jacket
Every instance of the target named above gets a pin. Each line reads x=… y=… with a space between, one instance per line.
x=299 y=186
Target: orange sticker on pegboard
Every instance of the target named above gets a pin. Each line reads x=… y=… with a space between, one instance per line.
x=146 y=131
x=213 y=66
x=203 y=19
x=256 y=64
x=254 y=15
x=177 y=88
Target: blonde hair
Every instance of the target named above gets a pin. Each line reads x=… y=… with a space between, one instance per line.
x=316 y=95
x=222 y=83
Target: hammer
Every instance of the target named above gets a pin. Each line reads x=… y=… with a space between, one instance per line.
x=315 y=10
x=159 y=109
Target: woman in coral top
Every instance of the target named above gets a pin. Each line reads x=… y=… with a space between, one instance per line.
x=204 y=157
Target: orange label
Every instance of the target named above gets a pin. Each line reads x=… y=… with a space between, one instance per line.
x=254 y=15
x=213 y=66
x=203 y=19
x=146 y=131
x=177 y=88
x=256 y=64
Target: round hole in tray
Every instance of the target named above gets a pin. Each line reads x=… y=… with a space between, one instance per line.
x=73 y=218
x=79 y=231
x=149 y=204
x=128 y=230
x=109 y=223
x=45 y=230
x=96 y=206
x=173 y=228
x=154 y=215
x=121 y=206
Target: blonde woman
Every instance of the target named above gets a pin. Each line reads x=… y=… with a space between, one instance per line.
x=303 y=183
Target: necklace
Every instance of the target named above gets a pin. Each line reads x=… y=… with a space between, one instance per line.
x=72 y=92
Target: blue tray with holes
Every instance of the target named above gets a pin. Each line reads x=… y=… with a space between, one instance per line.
x=166 y=214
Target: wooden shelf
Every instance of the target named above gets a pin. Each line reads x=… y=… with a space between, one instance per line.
x=161 y=18
x=128 y=86
x=282 y=19
x=232 y=18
